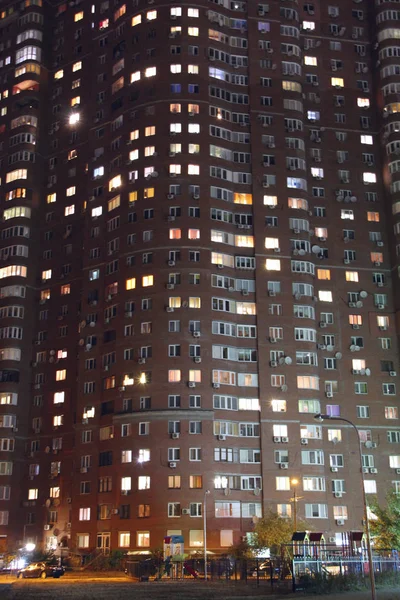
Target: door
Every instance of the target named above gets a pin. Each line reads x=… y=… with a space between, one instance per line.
x=103 y=542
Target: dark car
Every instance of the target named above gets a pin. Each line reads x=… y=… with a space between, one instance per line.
x=264 y=570
x=41 y=569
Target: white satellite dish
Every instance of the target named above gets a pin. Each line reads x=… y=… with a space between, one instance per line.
x=315 y=249
x=288 y=360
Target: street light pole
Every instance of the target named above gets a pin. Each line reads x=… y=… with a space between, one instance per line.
x=321 y=417
x=205 y=532
x=294 y=482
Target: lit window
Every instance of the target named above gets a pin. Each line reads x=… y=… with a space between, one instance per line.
x=150 y=72
x=59 y=74
x=151 y=15
x=51 y=198
x=151 y=130
x=71 y=191
x=193 y=12
x=65 y=289
x=194 y=302
x=271 y=243
x=78 y=16
x=134 y=135
x=324 y=274
x=59 y=397
x=175 y=108
x=33 y=494
x=325 y=296
x=84 y=514
x=176 y=69
x=46 y=274
x=376 y=257
x=193 y=170
x=175 y=169
x=74 y=118
x=369 y=178
x=134 y=155
x=242 y=198
x=150 y=151
x=75 y=101
x=194 y=31
x=337 y=82
x=355 y=320
x=174 y=375
x=363 y=102
x=147 y=280
x=114 y=183
x=367 y=139
x=131 y=283
x=352 y=276
x=143 y=539
x=273 y=264
x=148 y=193
x=136 y=20
x=175 y=302
x=61 y=374
x=124 y=539
x=126 y=484
x=310 y=61
x=175 y=234
x=69 y=210
x=270 y=200
x=373 y=217
x=194 y=234
x=77 y=66
x=135 y=76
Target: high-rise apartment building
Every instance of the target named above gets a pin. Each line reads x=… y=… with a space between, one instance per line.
x=200 y=250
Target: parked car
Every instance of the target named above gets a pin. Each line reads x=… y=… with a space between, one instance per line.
x=41 y=569
x=264 y=570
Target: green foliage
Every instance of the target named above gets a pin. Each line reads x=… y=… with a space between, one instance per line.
x=271 y=532
x=386 y=528
x=241 y=550
x=40 y=556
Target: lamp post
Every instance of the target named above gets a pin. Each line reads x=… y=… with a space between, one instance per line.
x=205 y=532
x=321 y=417
x=294 y=482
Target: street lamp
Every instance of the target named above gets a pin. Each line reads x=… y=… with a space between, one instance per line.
x=294 y=482
x=321 y=417
x=205 y=532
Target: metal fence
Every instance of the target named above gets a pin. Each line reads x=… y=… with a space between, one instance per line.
x=277 y=575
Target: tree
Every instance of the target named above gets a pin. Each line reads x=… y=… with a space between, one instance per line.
x=271 y=532
x=385 y=528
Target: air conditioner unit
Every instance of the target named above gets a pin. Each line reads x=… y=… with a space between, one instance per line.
x=216 y=386
x=273 y=340
x=172 y=465
x=196 y=334
x=197 y=359
x=322 y=324
x=373 y=470
x=379 y=244
x=171 y=263
x=245 y=292
x=352 y=305
x=329 y=394
x=283 y=466
x=185 y=511
x=115 y=511
x=356 y=326
x=334 y=469
x=332 y=540
x=175 y=436
x=122 y=388
x=69 y=500
x=271 y=293
x=84 y=470
x=304 y=441
x=221 y=438
x=191 y=384
x=277 y=250
x=169 y=309
x=392 y=373
x=142 y=361
x=285 y=440
x=338 y=494
x=381 y=306
x=273 y=363
x=340 y=522
x=276 y=439
x=46 y=527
